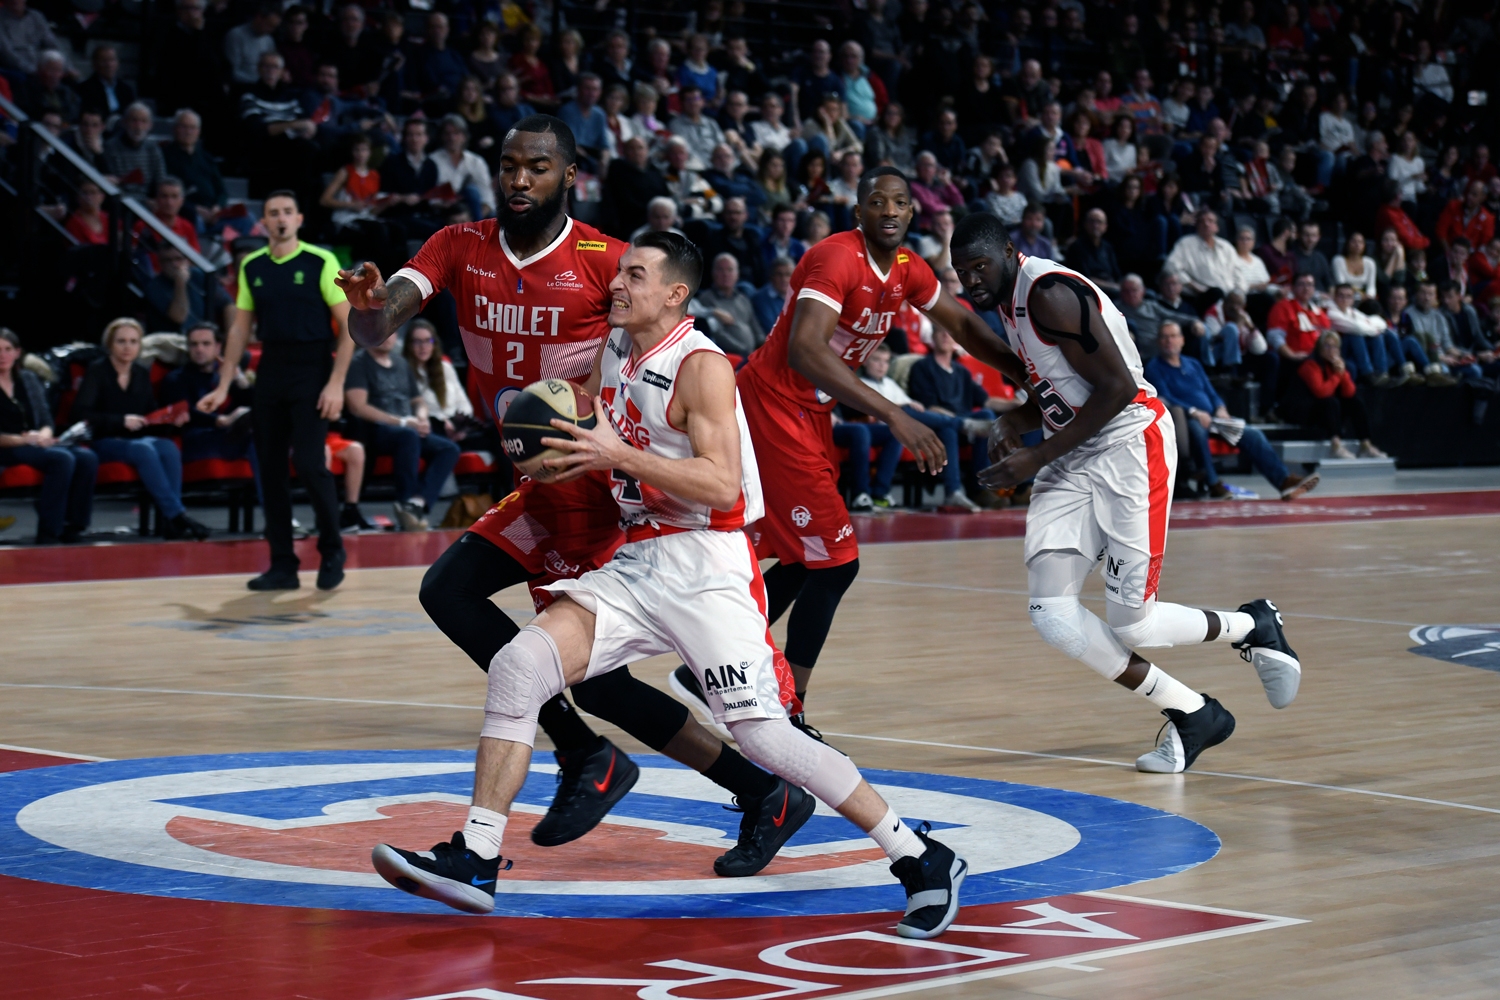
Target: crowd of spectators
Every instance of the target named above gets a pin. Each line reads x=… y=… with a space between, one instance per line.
x=1305 y=192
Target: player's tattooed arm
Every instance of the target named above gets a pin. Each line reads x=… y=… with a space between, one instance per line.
x=1076 y=326
x=377 y=309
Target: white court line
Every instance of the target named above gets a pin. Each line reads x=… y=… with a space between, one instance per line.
x=1206 y=774
x=1092 y=597
x=50 y=753
x=849 y=736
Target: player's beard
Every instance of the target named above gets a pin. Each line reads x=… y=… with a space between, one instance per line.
x=525 y=225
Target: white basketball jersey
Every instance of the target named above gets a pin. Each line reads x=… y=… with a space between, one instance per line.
x=1059 y=389
x=637 y=393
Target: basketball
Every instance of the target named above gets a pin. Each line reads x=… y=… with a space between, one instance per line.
x=530 y=416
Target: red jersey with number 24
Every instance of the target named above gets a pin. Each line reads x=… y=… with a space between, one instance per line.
x=839 y=273
x=521 y=320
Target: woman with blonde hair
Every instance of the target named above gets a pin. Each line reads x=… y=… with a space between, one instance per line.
x=115 y=399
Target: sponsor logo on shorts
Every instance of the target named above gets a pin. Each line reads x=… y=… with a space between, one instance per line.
x=1114 y=567
x=801 y=516
x=653 y=378
x=847 y=531
x=558 y=566
x=597 y=245
x=727 y=677
x=734 y=706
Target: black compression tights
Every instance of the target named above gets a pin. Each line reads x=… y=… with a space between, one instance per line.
x=456 y=595
x=817 y=593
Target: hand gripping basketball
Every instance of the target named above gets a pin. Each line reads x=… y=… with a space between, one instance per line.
x=590 y=448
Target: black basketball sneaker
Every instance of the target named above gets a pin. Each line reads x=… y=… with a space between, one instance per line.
x=589 y=783
x=1267 y=650
x=1185 y=736
x=931 y=883
x=449 y=873
x=768 y=823
x=685 y=683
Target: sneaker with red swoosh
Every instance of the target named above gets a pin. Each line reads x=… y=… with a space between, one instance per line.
x=768 y=823
x=589 y=783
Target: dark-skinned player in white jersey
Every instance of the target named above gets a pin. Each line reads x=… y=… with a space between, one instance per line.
x=846 y=293
x=532 y=289
x=1103 y=490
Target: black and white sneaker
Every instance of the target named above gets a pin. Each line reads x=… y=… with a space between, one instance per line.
x=449 y=873
x=588 y=786
x=768 y=823
x=1185 y=736
x=931 y=883
x=1267 y=650
x=685 y=683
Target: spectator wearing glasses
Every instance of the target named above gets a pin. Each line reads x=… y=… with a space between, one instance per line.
x=65 y=504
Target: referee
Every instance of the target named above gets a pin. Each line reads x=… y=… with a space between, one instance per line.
x=303 y=323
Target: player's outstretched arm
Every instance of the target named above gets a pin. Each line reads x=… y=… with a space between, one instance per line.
x=811 y=355
x=975 y=336
x=1066 y=311
x=703 y=407
x=377 y=310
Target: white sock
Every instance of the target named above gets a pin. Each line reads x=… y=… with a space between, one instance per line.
x=1234 y=625
x=895 y=837
x=1164 y=691
x=483 y=831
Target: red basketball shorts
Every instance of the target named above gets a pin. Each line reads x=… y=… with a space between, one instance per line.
x=556 y=531
x=806 y=520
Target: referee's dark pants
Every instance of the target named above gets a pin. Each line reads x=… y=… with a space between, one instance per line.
x=288 y=382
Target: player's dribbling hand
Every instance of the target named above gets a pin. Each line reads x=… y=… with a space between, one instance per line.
x=922 y=441
x=1003 y=440
x=363 y=286
x=1020 y=466
x=588 y=449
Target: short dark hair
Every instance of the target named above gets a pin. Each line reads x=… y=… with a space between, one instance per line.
x=210 y=326
x=9 y=336
x=1304 y=274
x=567 y=146
x=1281 y=224
x=1033 y=208
x=1460 y=241
x=282 y=193
x=167 y=180
x=684 y=261
x=691 y=88
x=1449 y=286
x=981 y=231
x=867 y=182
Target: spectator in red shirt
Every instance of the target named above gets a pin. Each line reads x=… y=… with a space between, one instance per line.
x=166 y=206
x=1467 y=217
x=1295 y=324
x=1334 y=401
x=1392 y=216
x=1479 y=168
x=87 y=223
x=1483 y=264
x=531 y=71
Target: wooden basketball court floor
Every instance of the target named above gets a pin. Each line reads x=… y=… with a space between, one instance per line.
x=1361 y=821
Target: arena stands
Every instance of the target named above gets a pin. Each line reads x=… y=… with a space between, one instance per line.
x=1141 y=142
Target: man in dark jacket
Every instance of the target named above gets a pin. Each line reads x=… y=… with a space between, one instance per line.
x=1093 y=257
x=632 y=182
x=105 y=92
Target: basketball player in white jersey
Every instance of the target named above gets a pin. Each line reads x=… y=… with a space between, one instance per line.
x=672 y=436
x=1104 y=474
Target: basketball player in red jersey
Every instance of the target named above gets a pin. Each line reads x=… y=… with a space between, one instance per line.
x=532 y=290
x=845 y=293
x=1102 y=494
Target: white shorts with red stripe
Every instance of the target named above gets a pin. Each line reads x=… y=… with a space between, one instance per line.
x=1111 y=502
x=697 y=593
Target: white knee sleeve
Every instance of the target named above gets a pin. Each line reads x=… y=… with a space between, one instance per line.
x=1157 y=625
x=777 y=746
x=1065 y=625
x=524 y=675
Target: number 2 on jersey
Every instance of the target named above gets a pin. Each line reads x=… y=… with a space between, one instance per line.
x=1055 y=409
x=518 y=350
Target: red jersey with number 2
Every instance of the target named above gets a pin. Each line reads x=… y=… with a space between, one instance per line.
x=839 y=273
x=521 y=320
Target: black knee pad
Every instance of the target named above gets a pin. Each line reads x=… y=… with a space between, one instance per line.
x=783 y=583
x=812 y=617
x=641 y=710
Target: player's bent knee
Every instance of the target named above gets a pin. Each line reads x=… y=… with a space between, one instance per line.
x=777 y=746
x=1057 y=621
x=524 y=675
x=1138 y=634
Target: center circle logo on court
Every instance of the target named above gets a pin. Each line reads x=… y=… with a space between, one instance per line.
x=296 y=829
